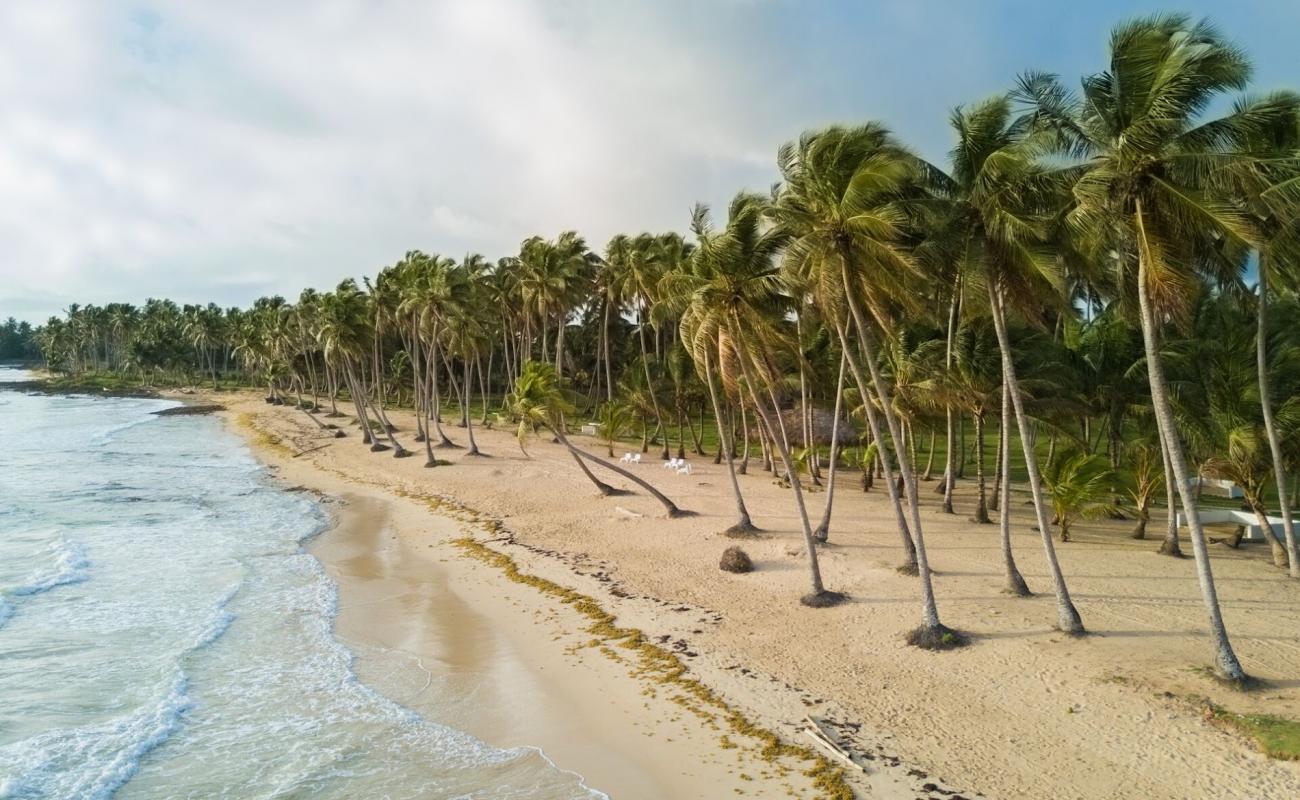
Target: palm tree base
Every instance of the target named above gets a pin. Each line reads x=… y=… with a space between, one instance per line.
x=477 y=454
x=338 y=434
x=1240 y=681
x=936 y=637
x=745 y=530
x=1070 y=623
x=402 y=452
x=680 y=513
x=823 y=599
x=1016 y=587
x=447 y=444
x=378 y=448
x=1168 y=548
x=910 y=568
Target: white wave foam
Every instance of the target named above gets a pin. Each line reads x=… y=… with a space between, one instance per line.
x=221 y=619
x=91 y=762
x=6 y=611
x=70 y=566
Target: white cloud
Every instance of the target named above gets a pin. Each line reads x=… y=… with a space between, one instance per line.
x=211 y=150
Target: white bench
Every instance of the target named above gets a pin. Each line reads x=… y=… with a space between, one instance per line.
x=1220 y=516
x=590 y=430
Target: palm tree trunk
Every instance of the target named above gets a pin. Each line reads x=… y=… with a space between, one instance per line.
x=873 y=424
x=1266 y=405
x=823 y=531
x=1226 y=661
x=604 y=330
x=1169 y=546
x=669 y=505
x=1067 y=615
x=930 y=609
x=817 y=594
x=999 y=474
x=435 y=413
x=649 y=384
x=744 y=431
x=485 y=383
x=929 y=456
x=950 y=441
x=982 y=507
x=604 y=488
x=743 y=524
x=1015 y=581
x=469 y=423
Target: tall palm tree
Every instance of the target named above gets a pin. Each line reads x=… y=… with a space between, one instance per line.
x=1269 y=189
x=737 y=304
x=1145 y=192
x=823 y=224
x=997 y=191
x=840 y=203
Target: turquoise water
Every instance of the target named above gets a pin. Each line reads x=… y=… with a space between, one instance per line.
x=163 y=634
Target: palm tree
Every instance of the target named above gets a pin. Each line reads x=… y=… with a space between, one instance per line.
x=820 y=211
x=737 y=304
x=1145 y=477
x=1079 y=485
x=613 y=420
x=1144 y=192
x=538 y=400
x=1269 y=189
x=996 y=188
x=841 y=204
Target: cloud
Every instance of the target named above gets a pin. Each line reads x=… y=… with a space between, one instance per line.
x=170 y=147
x=216 y=151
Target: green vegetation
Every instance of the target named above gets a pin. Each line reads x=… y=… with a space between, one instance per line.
x=1274 y=736
x=1078 y=300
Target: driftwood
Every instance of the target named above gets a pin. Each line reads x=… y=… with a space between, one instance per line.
x=310 y=449
x=818 y=733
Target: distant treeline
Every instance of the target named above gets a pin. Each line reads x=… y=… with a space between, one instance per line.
x=17 y=342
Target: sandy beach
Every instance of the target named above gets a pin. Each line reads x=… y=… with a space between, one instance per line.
x=1024 y=712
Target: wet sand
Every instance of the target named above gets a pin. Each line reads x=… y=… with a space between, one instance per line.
x=450 y=638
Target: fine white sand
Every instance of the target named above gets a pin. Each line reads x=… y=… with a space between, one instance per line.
x=1022 y=712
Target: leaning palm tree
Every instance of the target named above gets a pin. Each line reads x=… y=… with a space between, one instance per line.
x=997 y=189
x=1269 y=189
x=735 y=304
x=538 y=400
x=833 y=181
x=1145 y=193
x=842 y=203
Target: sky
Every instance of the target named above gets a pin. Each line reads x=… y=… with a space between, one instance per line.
x=220 y=152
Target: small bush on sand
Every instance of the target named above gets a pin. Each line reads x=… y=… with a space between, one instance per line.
x=736 y=560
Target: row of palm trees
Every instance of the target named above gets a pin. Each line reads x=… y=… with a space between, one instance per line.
x=1111 y=229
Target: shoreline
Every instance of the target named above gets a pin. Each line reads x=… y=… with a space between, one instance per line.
x=1127 y=703
x=454 y=639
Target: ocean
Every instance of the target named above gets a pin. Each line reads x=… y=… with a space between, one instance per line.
x=163 y=634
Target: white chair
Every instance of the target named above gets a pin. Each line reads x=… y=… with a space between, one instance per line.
x=684 y=469
x=636 y=458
